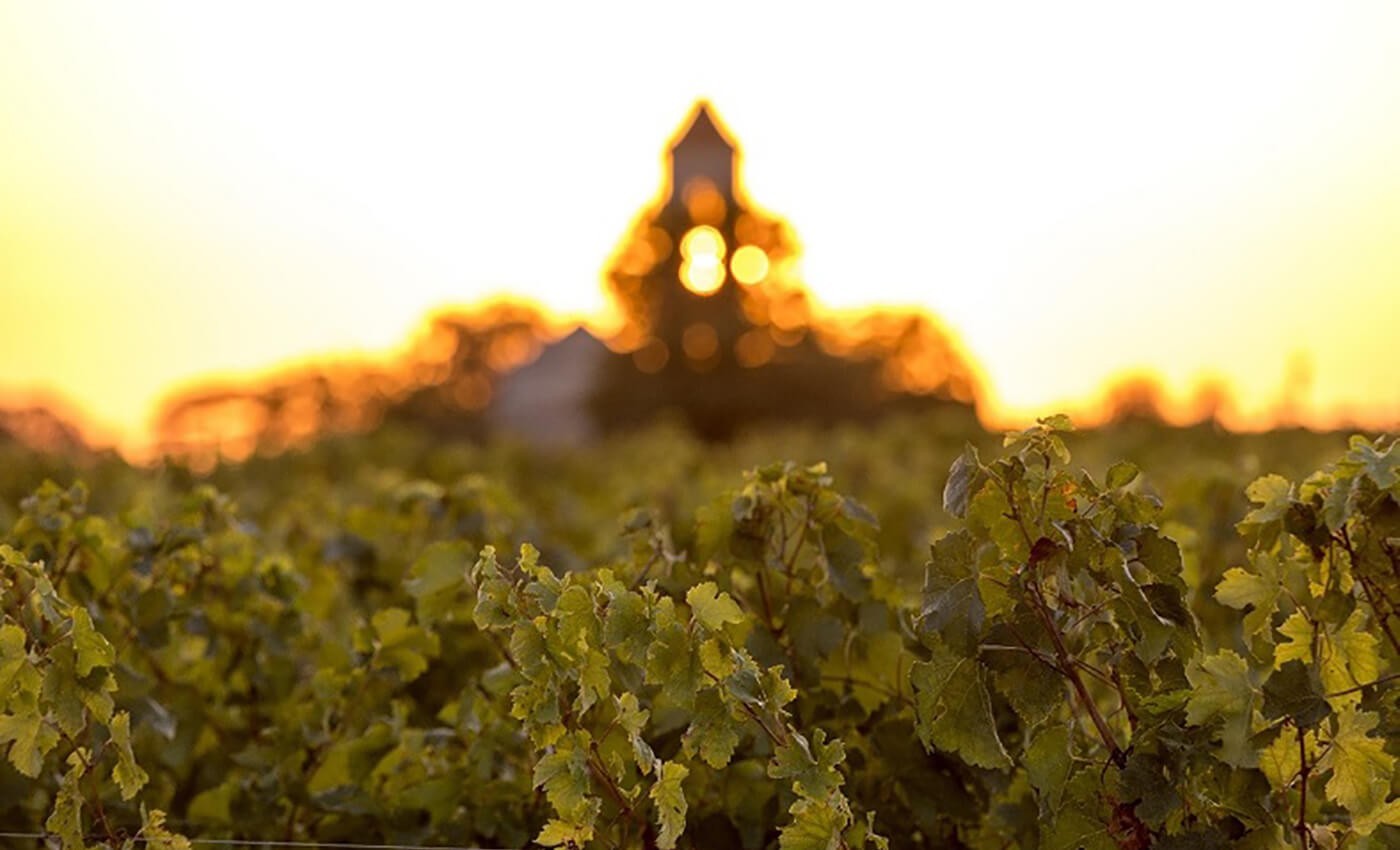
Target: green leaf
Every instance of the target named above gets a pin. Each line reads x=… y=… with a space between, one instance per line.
x=627 y=628
x=1048 y=765
x=1383 y=468
x=30 y=739
x=527 y=647
x=811 y=767
x=1362 y=770
x=1345 y=656
x=712 y=607
x=844 y=557
x=435 y=579
x=594 y=682
x=128 y=775
x=815 y=825
x=61 y=690
x=815 y=630
x=873 y=666
x=962 y=478
x=630 y=716
x=14 y=662
x=558 y=833
x=1076 y=830
x=155 y=835
x=65 y=820
x=1241 y=589
x=1160 y=554
x=563 y=774
x=1222 y=689
x=953 y=710
x=1121 y=474
x=713 y=733
x=214 y=805
x=1295 y=691
x=579 y=627
x=1147 y=780
x=853 y=510
x=669 y=799
x=1271 y=493
x=1280 y=761
x=989 y=515
x=952 y=603
x=493 y=592
x=92 y=648
x=1167 y=604
x=1032 y=688
x=672 y=663
x=401 y=646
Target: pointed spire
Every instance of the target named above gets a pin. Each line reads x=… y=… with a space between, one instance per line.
x=703 y=153
x=703 y=129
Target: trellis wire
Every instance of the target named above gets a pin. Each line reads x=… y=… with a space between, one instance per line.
x=253 y=842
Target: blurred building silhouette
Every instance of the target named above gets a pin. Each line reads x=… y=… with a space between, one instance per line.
x=546 y=401
x=720 y=329
x=718 y=332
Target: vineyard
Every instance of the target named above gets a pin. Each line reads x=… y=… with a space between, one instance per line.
x=916 y=635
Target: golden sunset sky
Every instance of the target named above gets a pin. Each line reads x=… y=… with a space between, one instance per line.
x=1078 y=190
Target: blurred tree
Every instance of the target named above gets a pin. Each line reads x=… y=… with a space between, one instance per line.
x=39 y=428
x=443 y=385
x=455 y=368
x=1133 y=398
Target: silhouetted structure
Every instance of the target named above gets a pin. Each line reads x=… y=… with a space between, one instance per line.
x=720 y=330
x=546 y=401
x=717 y=329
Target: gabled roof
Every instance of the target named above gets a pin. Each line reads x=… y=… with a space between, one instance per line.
x=703 y=129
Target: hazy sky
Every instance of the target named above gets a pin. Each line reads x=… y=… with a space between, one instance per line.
x=1077 y=189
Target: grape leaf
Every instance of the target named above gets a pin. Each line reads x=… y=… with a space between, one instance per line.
x=1281 y=760
x=1222 y=689
x=156 y=836
x=563 y=774
x=1240 y=588
x=712 y=607
x=1048 y=765
x=1362 y=770
x=811 y=767
x=962 y=479
x=30 y=739
x=92 y=648
x=435 y=579
x=128 y=775
x=953 y=710
x=1120 y=474
x=669 y=799
x=815 y=825
x=557 y=833
x=1294 y=690
x=713 y=733
x=65 y=820
x=627 y=628
x=952 y=604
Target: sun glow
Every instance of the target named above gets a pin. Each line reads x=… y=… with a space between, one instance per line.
x=1063 y=193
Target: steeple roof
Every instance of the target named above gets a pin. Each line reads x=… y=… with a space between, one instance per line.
x=704 y=130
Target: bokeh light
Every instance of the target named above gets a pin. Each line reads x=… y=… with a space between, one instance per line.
x=749 y=265
x=702 y=266
x=700 y=341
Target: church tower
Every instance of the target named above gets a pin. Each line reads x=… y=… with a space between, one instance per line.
x=704 y=154
x=698 y=271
